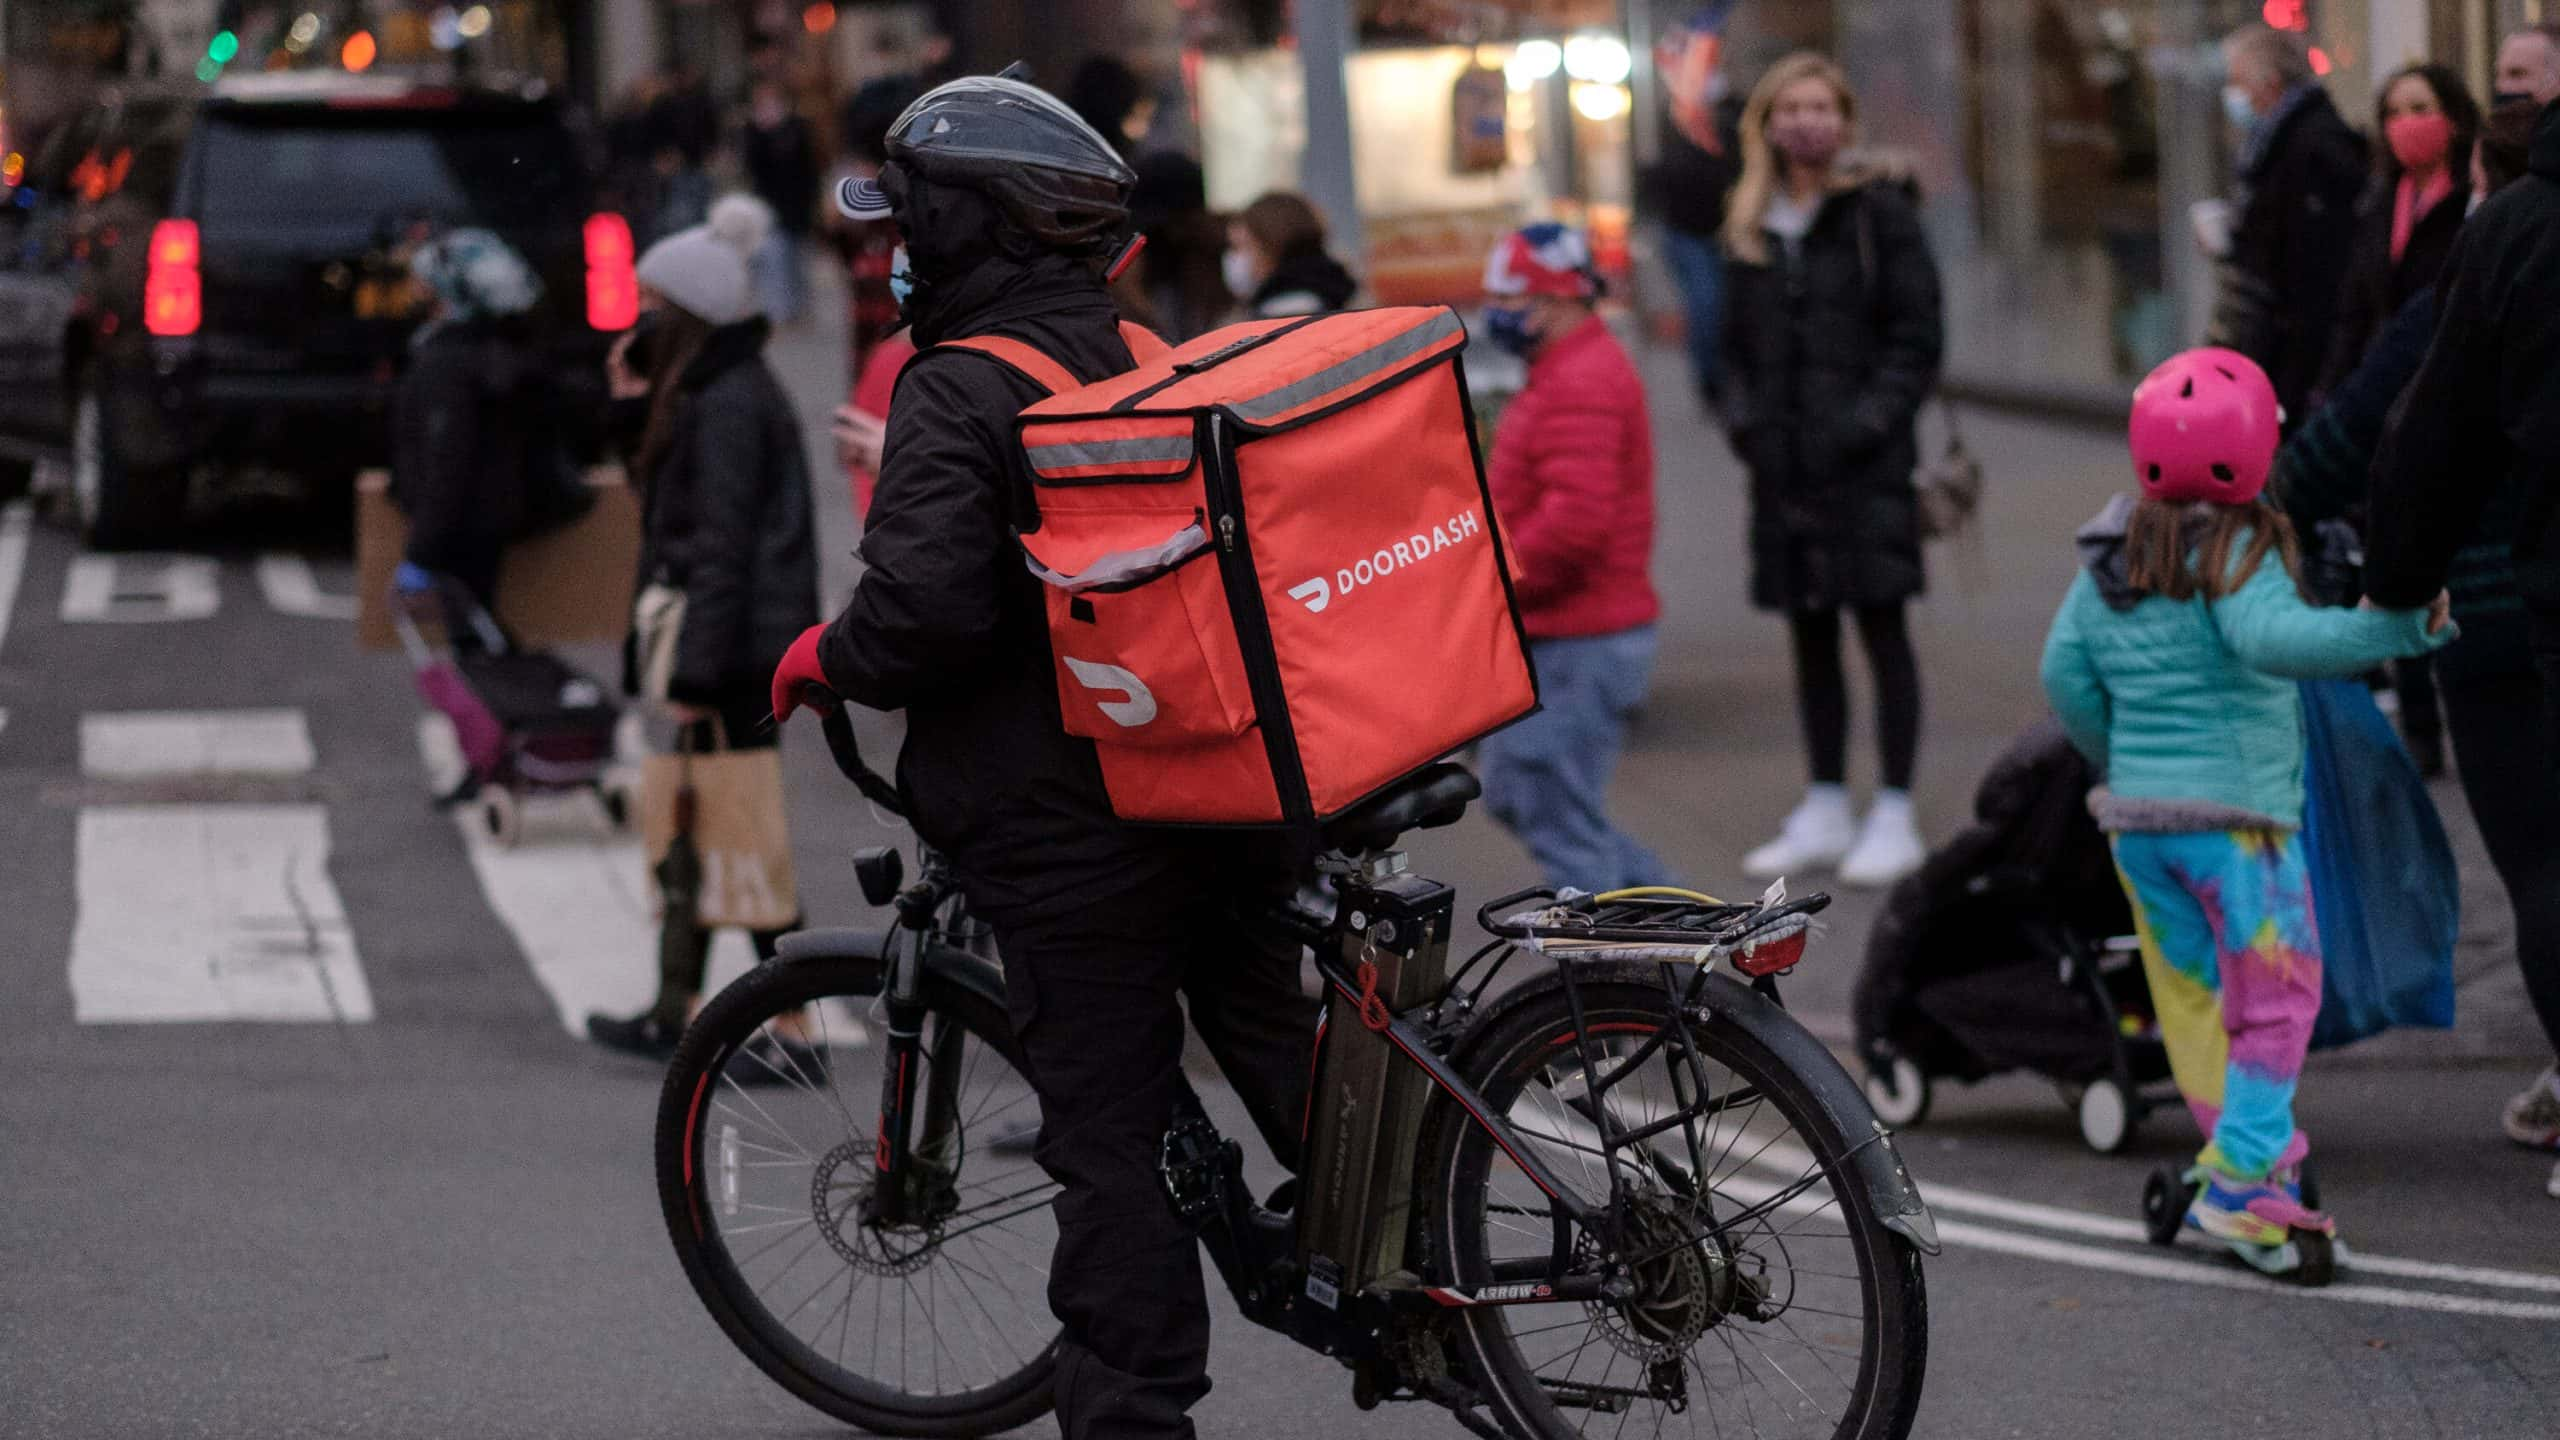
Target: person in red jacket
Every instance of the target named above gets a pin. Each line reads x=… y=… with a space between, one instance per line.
x=1572 y=478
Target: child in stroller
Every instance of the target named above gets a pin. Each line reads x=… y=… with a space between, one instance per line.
x=2011 y=948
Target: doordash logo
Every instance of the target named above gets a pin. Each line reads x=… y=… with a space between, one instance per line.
x=1319 y=592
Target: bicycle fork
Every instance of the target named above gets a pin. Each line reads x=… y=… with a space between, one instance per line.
x=912 y=1071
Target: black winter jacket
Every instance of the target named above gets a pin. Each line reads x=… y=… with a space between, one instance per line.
x=2483 y=415
x=948 y=623
x=477 y=455
x=1829 y=354
x=2377 y=285
x=728 y=522
x=2288 y=261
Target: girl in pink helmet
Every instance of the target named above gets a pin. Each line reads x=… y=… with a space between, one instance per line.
x=2172 y=662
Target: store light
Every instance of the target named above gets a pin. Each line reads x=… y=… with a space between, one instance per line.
x=225 y=46
x=357 y=54
x=1599 y=102
x=2320 y=62
x=306 y=28
x=2286 y=14
x=473 y=23
x=1600 y=59
x=444 y=29
x=818 y=19
x=207 y=69
x=1534 y=61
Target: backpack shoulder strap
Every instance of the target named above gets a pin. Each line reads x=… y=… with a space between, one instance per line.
x=1035 y=367
x=1145 y=346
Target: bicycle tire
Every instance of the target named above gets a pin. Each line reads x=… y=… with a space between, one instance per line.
x=728 y=1021
x=1501 y=1062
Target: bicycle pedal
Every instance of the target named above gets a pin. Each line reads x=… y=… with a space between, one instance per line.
x=1194 y=1167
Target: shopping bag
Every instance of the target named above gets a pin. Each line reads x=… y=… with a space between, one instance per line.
x=2383 y=885
x=738 y=831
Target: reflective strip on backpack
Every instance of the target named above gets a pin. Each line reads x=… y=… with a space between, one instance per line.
x=1124 y=569
x=1439 y=330
x=1073 y=454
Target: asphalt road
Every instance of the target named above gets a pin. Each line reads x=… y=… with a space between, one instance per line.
x=410 y=1204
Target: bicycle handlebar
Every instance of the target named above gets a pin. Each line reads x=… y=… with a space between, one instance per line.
x=837 y=726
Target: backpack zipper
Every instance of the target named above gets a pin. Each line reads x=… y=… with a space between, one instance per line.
x=1253 y=629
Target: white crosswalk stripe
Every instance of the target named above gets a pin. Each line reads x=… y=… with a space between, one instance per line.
x=135 y=744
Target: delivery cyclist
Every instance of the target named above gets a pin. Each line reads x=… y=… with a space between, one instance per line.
x=1011 y=207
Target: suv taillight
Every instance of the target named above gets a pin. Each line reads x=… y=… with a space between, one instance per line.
x=173 y=288
x=613 y=288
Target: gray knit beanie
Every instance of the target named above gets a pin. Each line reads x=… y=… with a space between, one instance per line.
x=704 y=269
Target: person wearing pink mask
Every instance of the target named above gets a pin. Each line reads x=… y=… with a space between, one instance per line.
x=2406 y=223
x=1831 y=342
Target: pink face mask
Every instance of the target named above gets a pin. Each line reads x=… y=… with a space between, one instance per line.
x=2419 y=142
x=1809 y=141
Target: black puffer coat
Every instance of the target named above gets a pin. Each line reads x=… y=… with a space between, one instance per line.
x=728 y=522
x=2289 y=254
x=1829 y=353
x=478 y=457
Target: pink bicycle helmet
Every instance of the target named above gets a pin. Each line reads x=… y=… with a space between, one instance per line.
x=2204 y=428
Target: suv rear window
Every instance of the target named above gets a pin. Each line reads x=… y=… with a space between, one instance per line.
x=305 y=163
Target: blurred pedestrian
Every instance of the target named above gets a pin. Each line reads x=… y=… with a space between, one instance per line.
x=682 y=127
x=1276 y=264
x=1831 y=344
x=2405 y=226
x=1689 y=184
x=724 y=486
x=2300 y=170
x=781 y=157
x=861 y=424
x=1176 y=286
x=2472 y=457
x=2529 y=65
x=867 y=247
x=2172 y=662
x=1572 y=479
x=477 y=455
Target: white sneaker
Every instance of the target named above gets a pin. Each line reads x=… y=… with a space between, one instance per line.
x=1888 y=845
x=1814 y=837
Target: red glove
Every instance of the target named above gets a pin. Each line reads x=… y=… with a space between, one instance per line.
x=799 y=667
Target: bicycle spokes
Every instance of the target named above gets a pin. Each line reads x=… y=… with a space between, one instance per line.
x=922 y=1276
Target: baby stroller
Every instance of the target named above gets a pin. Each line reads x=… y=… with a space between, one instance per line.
x=2011 y=949
x=527 y=722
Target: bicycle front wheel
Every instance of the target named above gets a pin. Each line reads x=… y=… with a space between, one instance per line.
x=936 y=1325
x=1769 y=1299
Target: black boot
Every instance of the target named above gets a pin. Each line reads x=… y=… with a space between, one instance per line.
x=645 y=1035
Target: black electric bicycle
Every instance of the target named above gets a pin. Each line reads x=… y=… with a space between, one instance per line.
x=1624 y=1193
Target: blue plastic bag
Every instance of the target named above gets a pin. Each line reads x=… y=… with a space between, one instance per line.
x=2383 y=884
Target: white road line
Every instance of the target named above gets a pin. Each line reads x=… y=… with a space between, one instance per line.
x=211 y=912
x=140 y=589
x=291 y=589
x=576 y=896
x=13 y=559
x=2159 y=1266
x=137 y=743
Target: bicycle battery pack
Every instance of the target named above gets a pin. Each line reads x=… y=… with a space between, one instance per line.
x=1365 y=1120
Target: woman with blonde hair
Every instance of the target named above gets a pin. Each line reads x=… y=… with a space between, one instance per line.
x=1831 y=344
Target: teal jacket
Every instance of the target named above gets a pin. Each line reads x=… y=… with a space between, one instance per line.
x=2193 y=701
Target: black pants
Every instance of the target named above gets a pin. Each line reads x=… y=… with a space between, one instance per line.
x=1822 y=691
x=1093 y=997
x=2501 y=737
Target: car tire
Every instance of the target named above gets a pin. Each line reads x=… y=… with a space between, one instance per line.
x=118 y=505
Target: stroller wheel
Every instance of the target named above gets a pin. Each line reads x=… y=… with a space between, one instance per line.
x=1899 y=1093
x=2319 y=1255
x=2106 y=1116
x=2164 y=1206
x=500 y=816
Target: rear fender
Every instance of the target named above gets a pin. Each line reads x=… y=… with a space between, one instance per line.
x=1877 y=1164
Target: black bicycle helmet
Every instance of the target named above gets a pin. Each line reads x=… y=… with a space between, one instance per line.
x=1052 y=174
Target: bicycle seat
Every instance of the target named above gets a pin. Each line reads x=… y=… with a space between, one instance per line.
x=1429 y=798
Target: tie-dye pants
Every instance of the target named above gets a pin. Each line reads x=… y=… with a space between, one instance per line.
x=2233 y=956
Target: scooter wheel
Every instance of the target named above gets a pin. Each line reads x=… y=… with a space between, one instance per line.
x=2106 y=1116
x=501 y=816
x=1899 y=1093
x=2164 y=1206
x=2319 y=1256
x=2310 y=1186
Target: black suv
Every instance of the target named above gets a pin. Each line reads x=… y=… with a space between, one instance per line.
x=203 y=290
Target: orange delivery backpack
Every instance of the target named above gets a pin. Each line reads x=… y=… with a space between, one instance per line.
x=1274 y=581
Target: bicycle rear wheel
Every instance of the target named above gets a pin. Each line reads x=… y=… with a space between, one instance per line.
x=938 y=1326
x=1770 y=1299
